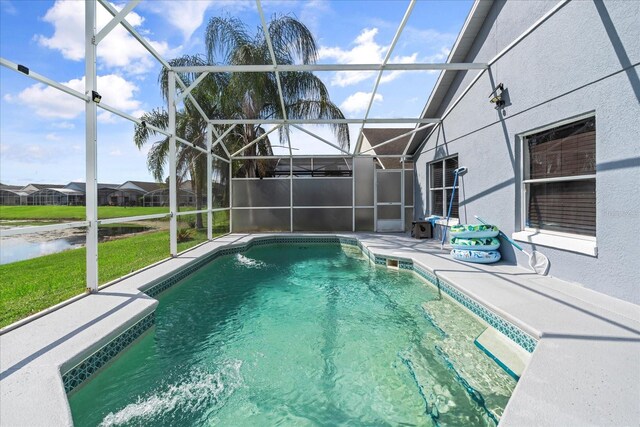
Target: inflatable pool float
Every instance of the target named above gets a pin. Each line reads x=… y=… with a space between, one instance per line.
x=474 y=230
x=481 y=244
x=481 y=257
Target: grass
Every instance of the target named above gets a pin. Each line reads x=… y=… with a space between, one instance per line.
x=29 y=286
x=76 y=213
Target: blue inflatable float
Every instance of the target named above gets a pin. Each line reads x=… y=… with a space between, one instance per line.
x=480 y=257
x=475 y=244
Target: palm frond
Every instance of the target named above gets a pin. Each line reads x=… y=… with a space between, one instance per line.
x=292 y=41
x=325 y=109
x=158 y=158
x=156 y=117
x=223 y=37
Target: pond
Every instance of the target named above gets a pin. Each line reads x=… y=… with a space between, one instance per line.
x=19 y=248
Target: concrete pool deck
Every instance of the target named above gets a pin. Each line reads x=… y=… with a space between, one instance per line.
x=584 y=371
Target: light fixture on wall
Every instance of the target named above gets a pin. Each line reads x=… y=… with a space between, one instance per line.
x=496 y=97
x=96 y=97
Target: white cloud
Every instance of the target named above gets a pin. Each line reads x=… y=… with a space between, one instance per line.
x=359 y=102
x=115 y=153
x=365 y=51
x=117 y=49
x=64 y=125
x=49 y=102
x=138 y=113
x=8 y=7
x=106 y=117
x=312 y=11
x=36 y=151
x=186 y=16
x=428 y=37
x=392 y=75
x=52 y=137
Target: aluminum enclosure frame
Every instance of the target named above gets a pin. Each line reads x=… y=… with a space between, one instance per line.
x=180 y=93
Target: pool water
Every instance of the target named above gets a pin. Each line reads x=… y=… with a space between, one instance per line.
x=300 y=334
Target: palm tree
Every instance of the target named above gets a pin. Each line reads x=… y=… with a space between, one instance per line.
x=190 y=126
x=255 y=95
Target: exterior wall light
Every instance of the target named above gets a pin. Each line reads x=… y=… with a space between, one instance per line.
x=495 y=97
x=96 y=97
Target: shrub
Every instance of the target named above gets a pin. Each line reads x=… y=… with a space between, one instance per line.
x=184 y=235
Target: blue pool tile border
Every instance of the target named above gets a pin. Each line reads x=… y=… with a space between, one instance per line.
x=89 y=366
x=511 y=331
x=82 y=371
x=505 y=327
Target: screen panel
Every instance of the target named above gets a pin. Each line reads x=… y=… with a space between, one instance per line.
x=322 y=219
x=389 y=186
x=261 y=192
x=364 y=169
x=260 y=220
x=322 y=192
x=389 y=212
x=364 y=219
x=408 y=187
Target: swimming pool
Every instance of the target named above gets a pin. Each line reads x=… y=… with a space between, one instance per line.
x=300 y=334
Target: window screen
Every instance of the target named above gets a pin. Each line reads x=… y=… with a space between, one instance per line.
x=560 y=182
x=441 y=177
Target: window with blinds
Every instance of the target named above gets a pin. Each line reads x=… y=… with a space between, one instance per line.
x=441 y=179
x=560 y=178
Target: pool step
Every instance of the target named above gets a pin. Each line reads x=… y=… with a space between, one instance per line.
x=433 y=383
x=479 y=375
x=509 y=355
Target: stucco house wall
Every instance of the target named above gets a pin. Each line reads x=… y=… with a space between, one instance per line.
x=583 y=59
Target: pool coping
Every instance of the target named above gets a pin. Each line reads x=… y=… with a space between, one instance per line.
x=72 y=346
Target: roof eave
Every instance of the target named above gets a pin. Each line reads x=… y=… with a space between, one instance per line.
x=459 y=52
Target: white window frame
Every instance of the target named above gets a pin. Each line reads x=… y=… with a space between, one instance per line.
x=445 y=201
x=566 y=241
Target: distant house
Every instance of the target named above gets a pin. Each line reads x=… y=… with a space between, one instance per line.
x=104 y=190
x=32 y=188
x=41 y=194
x=160 y=197
x=11 y=195
x=131 y=193
x=56 y=196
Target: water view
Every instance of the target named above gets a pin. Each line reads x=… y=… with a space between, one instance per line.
x=28 y=246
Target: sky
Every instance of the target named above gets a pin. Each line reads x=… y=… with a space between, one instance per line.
x=42 y=136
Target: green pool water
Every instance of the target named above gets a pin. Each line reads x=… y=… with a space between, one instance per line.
x=300 y=335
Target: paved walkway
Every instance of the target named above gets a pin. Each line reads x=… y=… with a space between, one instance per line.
x=585 y=370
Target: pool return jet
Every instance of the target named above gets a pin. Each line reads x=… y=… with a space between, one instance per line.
x=457 y=172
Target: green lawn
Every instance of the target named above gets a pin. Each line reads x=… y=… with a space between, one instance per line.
x=73 y=212
x=29 y=286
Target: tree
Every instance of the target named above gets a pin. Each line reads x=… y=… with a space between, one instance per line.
x=190 y=125
x=255 y=95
